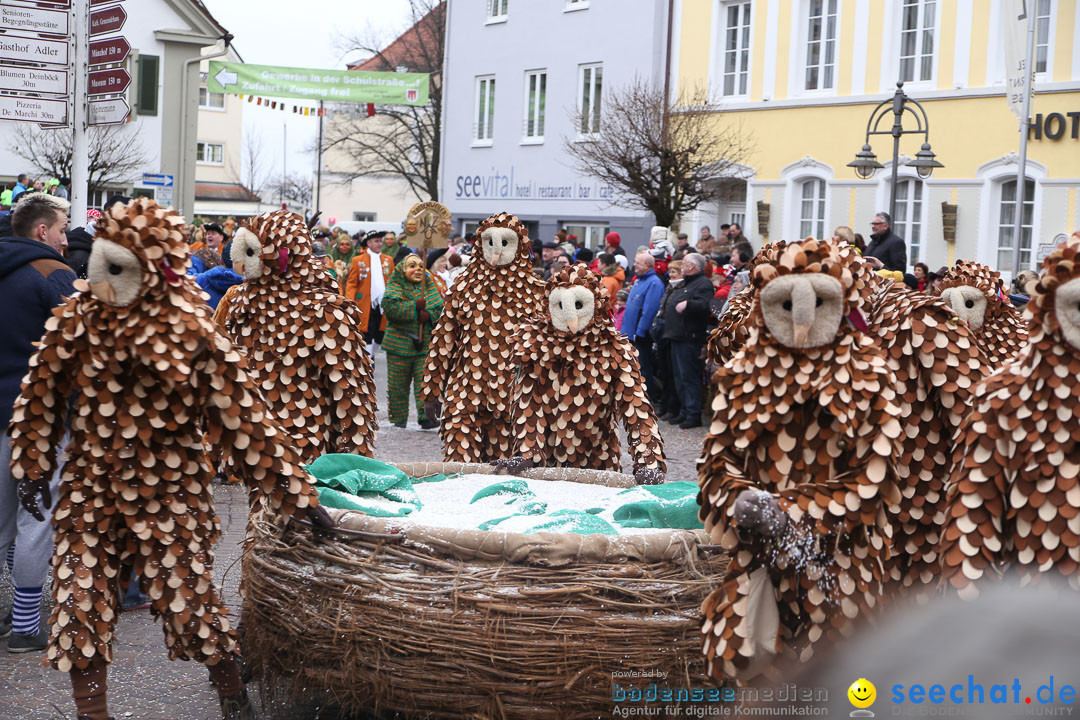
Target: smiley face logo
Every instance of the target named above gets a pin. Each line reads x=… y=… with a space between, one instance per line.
x=862 y=693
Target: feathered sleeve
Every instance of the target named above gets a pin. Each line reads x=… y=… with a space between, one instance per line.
x=731 y=334
x=37 y=419
x=255 y=448
x=643 y=439
x=348 y=369
x=444 y=341
x=530 y=421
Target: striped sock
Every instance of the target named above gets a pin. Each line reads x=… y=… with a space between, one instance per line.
x=27 y=611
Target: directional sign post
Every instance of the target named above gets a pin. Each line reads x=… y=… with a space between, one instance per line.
x=386 y=88
x=107 y=20
x=114 y=111
x=109 y=50
x=157 y=179
x=29 y=19
x=108 y=82
x=34 y=80
x=34 y=50
x=37 y=110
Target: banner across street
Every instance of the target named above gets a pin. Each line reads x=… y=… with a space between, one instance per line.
x=385 y=88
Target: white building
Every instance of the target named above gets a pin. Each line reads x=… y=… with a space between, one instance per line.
x=517 y=74
x=167 y=38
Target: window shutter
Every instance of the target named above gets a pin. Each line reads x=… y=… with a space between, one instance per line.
x=146 y=102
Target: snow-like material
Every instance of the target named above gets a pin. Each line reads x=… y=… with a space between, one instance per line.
x=446 y=504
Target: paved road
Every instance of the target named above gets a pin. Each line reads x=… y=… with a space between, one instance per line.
x=145 y=685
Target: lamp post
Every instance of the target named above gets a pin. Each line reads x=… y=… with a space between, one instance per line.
x=865 y=162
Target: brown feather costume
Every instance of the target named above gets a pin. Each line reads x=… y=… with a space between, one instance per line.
x=574 y=387
x=731 y=332
x=1014 y=497
x=149 y=373
x=469 y=367
x=303 y=343
x=815 y=428
x=998 y=326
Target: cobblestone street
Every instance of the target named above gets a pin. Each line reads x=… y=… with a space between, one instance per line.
x=144 y=684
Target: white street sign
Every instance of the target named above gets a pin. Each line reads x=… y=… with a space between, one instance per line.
x=23 y=49
x=35 y=80
x=157 y=179
x=37 y=110
x=108 y=112
x=25 y=19
x=164 y=196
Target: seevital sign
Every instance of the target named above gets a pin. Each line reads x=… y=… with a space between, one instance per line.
x=381 y=88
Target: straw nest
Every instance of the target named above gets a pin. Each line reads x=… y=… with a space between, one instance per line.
x=431 y=622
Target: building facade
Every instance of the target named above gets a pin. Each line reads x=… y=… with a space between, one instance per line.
x=803 y=76
x=522 y=78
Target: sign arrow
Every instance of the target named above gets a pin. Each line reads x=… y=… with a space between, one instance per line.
x=108 y=112
x=37 y=110
x=27 y=19
x=113 y=50
x=108 y=82
x=225 y=78
x=35 y=80
x=107 y=20
x=24 y=49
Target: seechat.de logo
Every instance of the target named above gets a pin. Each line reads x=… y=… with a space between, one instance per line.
x=862 y=695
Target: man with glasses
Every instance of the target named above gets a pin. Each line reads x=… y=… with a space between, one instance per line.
x=886 y=249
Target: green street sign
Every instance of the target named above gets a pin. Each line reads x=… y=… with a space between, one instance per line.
x=380 y=88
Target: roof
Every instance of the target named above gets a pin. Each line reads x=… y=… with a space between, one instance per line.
x=202 y=8
x=405 y=50
x=223 y=191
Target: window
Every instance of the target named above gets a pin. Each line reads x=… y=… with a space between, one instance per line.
x=812 y=209
x=363 y=217
x=736 y=62
x=484 y=129
x=535 y=100
x=917 y=40
x=468 y=228
x=738 y=218
x=590 y=236
x=908 y=221
x=591 y=85
x=211 y=100
x=146 y=101
x=497 y=10
x=821 y=45
x=210 y=153
x=1007 y=224
x=1042 y=36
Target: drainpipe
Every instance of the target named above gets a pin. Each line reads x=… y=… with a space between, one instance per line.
x=228 y=38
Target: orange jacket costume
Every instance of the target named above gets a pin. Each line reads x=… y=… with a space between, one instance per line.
x=358 y=284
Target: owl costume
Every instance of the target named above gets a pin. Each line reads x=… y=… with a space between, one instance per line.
x=303 y=343
x=150 y=381
x=977 y=294
x=578 y=379
x=470 y=366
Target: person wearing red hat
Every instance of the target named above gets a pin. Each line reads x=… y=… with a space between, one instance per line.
x=613 y=244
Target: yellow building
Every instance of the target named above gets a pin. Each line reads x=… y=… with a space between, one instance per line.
x=803 y=76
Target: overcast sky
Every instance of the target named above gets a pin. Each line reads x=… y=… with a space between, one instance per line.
x=306 y=34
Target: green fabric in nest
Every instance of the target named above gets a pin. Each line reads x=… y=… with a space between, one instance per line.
x=670 y=505
x=518 y=494
x=354 y=482
x=561 y=521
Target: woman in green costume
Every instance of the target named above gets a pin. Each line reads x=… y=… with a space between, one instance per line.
x=412 y=305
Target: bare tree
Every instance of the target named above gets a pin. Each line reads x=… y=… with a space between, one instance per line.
x=664 y=157
x=115 y=152
x=252 y=173
x=292 y=187
x=400 y=141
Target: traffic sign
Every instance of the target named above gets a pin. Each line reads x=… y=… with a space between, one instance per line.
x=107 y=82
x=157 y=179
x=111 y=50
x=107 y=20
x=39 y=110
x=108 y=112
x=36 y=50
x=28 y=19
x=35 y=80
x=54 y=3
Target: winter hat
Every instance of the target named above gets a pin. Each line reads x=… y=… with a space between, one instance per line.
x=568 y=249
x=434 y=255
x=623 y=261
x=613 y=239
x=371 y=235
x=584 y=255
x=318 y=249
x=622 y=294
x=550 y=245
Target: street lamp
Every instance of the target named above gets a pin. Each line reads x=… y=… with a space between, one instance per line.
x=865 y=162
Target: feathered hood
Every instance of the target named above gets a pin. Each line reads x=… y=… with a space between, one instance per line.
x=282 y=243
x=1059 y=267
x=573 y=276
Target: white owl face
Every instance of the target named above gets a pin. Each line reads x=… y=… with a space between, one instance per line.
x=500 y=245
x=571 y=308
x=968 y=302
x=1067 y=309
x=246 y=254
x=803 y=310
x=114 y=274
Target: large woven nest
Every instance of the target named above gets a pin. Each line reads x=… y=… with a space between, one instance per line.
x=473 y=624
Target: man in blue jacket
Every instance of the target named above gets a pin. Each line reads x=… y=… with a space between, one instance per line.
x=33 y=280
x=641 y=308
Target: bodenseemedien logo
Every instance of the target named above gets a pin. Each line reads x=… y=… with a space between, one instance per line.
x=862 y=695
